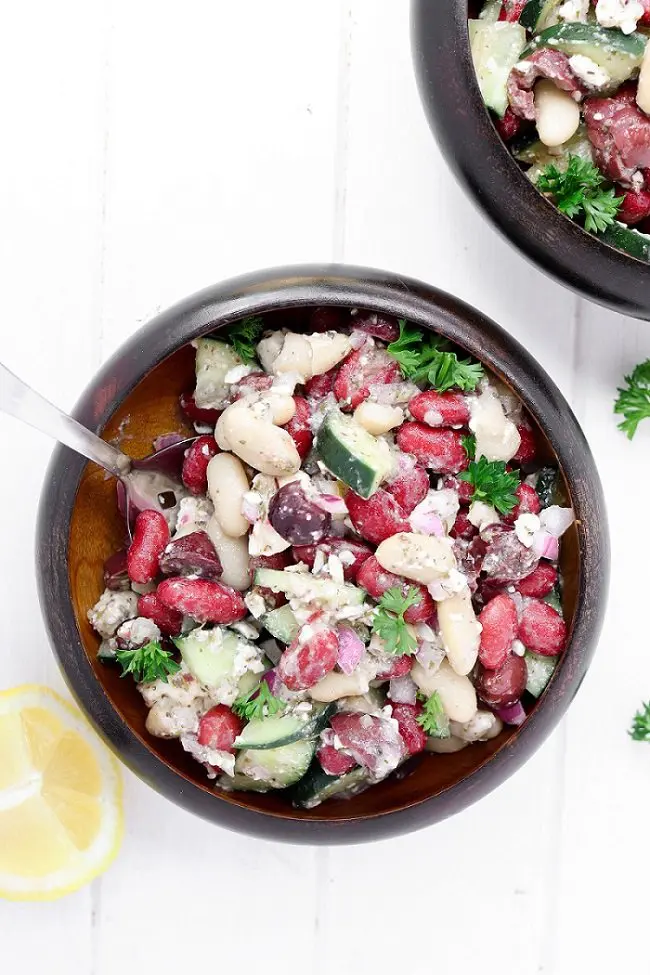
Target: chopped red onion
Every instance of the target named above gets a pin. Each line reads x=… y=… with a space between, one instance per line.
x=250 y=511
x=545 y=545
x=402 y=690
x=429 y=655
x=351 y=650
x=358 y=338
x=331 y=503
x=514 y=715
x=555 y=520
x=272 y=679
x=167 y=440
x=422 y=519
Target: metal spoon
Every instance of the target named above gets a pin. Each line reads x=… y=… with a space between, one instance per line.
x=153 y=482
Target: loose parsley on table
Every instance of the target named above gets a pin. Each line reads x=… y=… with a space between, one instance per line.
x=423 y=357
x=640 y=730
x=579 y=191
x=433 y=719
x=244 y=336
x=634 y=402
x=258 y=703
x=389 y=623
x=492 y=483
x=147 y=663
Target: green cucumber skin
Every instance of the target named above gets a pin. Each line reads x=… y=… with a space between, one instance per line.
x=284 y=766
x=362 y=476
x=317 y=786
x=540 y=671
x=627 y=239
x=282 y=624
x=539 y=14
x=606 y=39
x=547 y=486
x=310 y=729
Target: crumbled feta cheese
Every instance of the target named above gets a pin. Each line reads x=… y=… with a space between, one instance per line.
x=574 y=10
x=137 y=632
x=518 y=648
x=214 y=759
x=444 y=503
x=335 y=569
x=264 y=540
x=449 y=585
x=245 y=629
x=497 y=437
x=111 y=610
x=236 y=374
x=588 y=71
x=193 y=516
x=482 y=515
x=526 y=526
x=624 y=14
x=255 y=604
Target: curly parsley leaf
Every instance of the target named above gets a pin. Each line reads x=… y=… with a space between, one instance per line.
x=580 y=191
x=634 y=402
x=640 y=730
x=244 y=336
x=469 y=443
x=389 y=623
x=426 y=358
x=433 y=719
x=147 y=663
x=492 y=483
x=258 y=703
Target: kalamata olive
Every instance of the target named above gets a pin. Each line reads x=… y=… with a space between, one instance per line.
x=502 y=687
x=296 y=518
x=192 y=554
x=116 y=576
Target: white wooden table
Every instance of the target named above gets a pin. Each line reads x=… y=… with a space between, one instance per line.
x=149 y=149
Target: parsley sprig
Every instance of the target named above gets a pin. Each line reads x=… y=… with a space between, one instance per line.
x=244 y=336
x=389 y=623
x=469 y=443
x=580 y=191
x=640 y=730
x=492 y=483
x=634 y=402
x=147 y=663
x=427 y=359
x=258 y=703
x=433 y=719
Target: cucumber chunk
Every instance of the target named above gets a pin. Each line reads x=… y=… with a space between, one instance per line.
x=496 y=48
x=537 y=15
x=490 y=11
x=540 y=670
x=633 y=242
x=284 y=729
x=554 y=599
x=214 y=359
x=303 y=585
x=618 y=54
x=282 y=624
x=547 y=486
x=539 y=156
x=352 y=454
x=317 y=786
x=273 y=768
x=210 y=654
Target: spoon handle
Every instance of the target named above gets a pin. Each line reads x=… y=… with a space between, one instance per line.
x=20 y=400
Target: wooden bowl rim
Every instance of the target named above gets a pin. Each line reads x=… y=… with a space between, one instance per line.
x=270 y=290
x=461 y=123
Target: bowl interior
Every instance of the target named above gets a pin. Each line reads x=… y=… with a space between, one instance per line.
x=97 y=530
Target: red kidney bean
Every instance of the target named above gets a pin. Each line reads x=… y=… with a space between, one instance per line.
x=509 y=125
x=296 y=518
x=254 y=382
x=335 y=546
x=298 y=427
x=169 y=621
x=195 y=464
x=150 y=536
x=499 y=622
x=409 y=486
x=512 y=10
x=374 y=742
x=413 y=735
x=527 y=451
x=540 y=582
x=311 y=656
x=318 y=387
x=116 y=575
x=384 y=327
x=470 y=557
x=635 y=207
x=507 y=560
x=528 y=503
x=192 y=554
x=196 y=413
x=203 y=600
x=441 y=451
x=396 y=666
x=333 y=761
x=376 y=581
x=327 y=318
x=378 y=517
x=503 y=687
x=219 y=727
x=463 y=528
x=362 y=369
x=542 y=629
x=439 y=409
x=464 y=488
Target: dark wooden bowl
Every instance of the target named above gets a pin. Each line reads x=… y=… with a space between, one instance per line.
x=136 y=393
x=483 y=164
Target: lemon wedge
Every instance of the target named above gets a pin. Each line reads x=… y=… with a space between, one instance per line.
x=61 y=819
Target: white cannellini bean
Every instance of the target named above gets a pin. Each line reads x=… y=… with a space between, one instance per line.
x=247 y=431
x=295 y=355
x=445 y=746
x=483 y=726
x=336 y=685
x=281 y=406
x=377 y=418
x=460 y=630
x=456 y=691
x=557 y=114
x=328 y=349
x=643 y=87
x=422 y=558
x=497 y=437
x=227 y=485
x=233 y=553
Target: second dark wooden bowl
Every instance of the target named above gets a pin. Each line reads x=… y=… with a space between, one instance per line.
x=136 y=395
x=483 y=164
